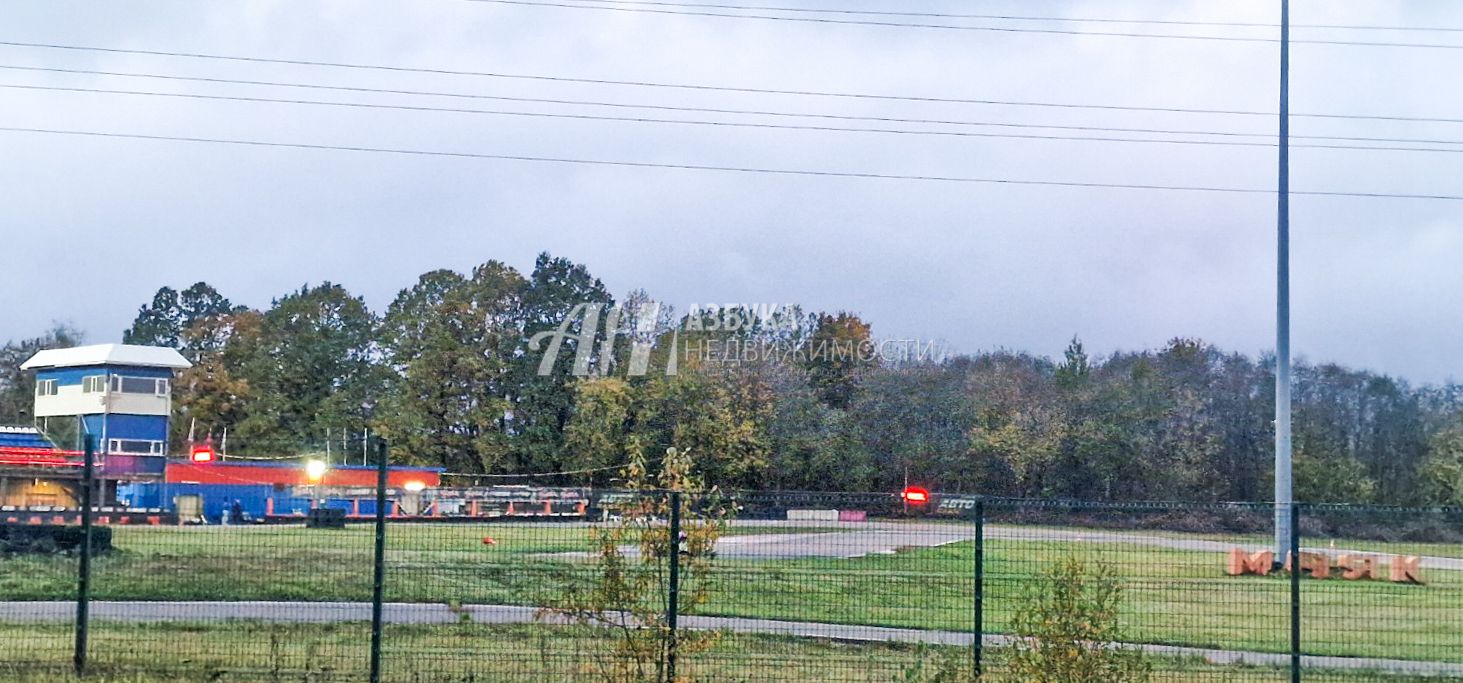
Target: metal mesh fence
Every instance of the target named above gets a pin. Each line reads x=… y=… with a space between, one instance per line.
x=251 y=600
x=38 y=621
x=1384 y=583
x=525 y=584
x=1172 y=599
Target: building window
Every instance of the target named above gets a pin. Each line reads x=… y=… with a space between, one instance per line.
x=45 y=387
x=94 y=384
x=139 y=385
x=135 y=446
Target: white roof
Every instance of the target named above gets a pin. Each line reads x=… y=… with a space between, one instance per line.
x=108 y=354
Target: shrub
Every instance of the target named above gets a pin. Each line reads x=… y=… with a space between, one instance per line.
x=47 y=539
x=627 y=593
x=1067 y=629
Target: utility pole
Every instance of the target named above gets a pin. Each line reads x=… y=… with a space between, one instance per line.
x=1283 y=485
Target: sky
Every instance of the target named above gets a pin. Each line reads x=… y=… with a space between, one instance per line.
x=93 y=226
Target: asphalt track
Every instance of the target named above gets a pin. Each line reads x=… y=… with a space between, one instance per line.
x=427 y=613
x=858 y=539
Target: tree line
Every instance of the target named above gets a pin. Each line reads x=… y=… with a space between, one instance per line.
x=498 y=372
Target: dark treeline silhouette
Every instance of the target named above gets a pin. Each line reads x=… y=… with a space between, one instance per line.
x=453 y=375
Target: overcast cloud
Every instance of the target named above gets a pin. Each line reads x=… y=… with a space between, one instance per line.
x=94 y=226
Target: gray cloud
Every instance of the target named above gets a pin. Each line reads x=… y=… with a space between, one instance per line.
x=99 y=224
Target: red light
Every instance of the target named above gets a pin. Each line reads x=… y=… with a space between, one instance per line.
x=203 y=454
x=916 y=495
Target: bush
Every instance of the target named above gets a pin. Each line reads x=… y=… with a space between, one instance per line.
x=42 y=539
x=628 y=592
x=945 y=665
x=1067 y=629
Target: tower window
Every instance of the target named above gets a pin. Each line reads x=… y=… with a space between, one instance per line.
x=137 y=446
x=140 y=385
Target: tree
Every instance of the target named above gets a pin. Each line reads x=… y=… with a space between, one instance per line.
x=915 y=420
x=18 y=387
x=702 y=412
x=1442 y=473
x=838 y=352
x=448 y=343
x=213 y=397
x=1018 y=425
x=159 y=323
x=311 y=370
x=1076 y=367
x=457 y=375
x=597 y=434
x=165 y=321
x=812 y=446
x=542 y=404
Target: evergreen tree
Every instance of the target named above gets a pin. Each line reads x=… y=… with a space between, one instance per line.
x=165 y=321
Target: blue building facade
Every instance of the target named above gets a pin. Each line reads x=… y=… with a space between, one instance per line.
x=118 y=395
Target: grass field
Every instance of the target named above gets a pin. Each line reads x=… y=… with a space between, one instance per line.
x=248 y=652
x=1172 y=596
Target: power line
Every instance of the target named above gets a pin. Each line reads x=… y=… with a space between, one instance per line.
x=956 y=27
x=860 y=22
x=727 y=124
x=717 y=88
x=714 y=110
x=594 y=117
x=1007 y=17
x=655 y=107
x=727 y=169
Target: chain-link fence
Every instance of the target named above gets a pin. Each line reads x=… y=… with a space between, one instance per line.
x=551 y=584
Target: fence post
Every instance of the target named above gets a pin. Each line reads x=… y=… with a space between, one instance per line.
x=977 y=647
x=83 y=581
x=378 y=583
x=673 y=604
x=1295 y=592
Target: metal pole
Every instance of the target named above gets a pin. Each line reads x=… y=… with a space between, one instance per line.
x=673 y=604
x=1283 y=488
x=378 y=583
x=83 y=584
x=977 y=646
x=1294 y=594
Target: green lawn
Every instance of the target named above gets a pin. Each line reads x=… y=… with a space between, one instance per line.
x=241 y=652
x=1172 y=596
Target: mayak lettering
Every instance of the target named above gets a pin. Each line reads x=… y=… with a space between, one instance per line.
x=1352 y=566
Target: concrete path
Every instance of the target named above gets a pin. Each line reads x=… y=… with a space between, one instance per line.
x=430 y=613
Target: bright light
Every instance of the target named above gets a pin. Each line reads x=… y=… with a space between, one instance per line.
x=414 y=486
x=916 y=495
x=315 y=469
x=202 y=454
